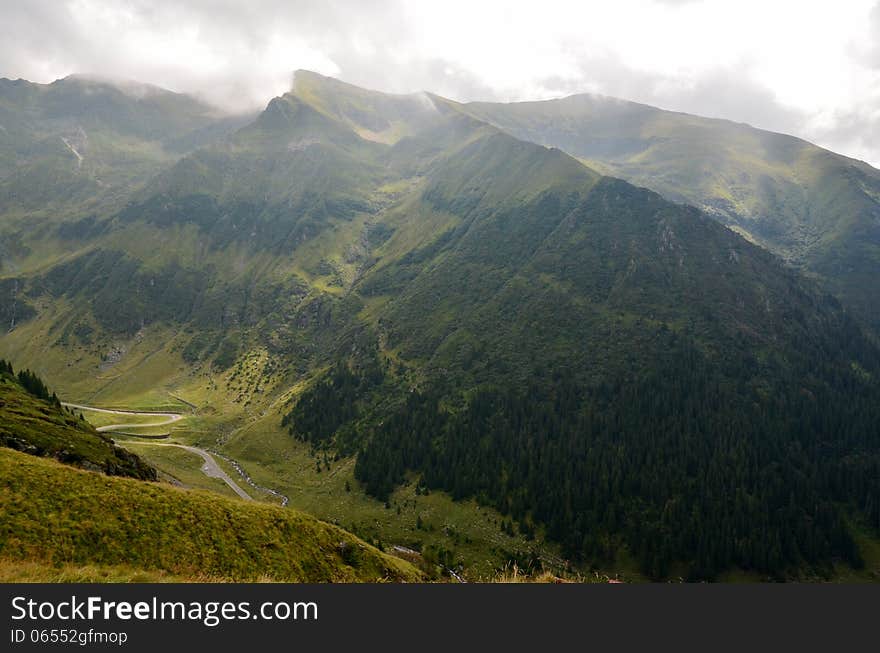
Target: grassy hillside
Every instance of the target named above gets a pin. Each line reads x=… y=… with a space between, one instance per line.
x=18 y=571
x=41 y=427
x=810 y=206
x=62 y=516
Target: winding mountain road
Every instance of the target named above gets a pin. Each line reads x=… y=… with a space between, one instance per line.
x=169 y=418
x=209 y=468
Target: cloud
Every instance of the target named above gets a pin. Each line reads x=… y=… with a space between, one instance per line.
x=873 y=52
x=796 y=67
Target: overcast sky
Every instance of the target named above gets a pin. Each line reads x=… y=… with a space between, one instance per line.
x=806 y=68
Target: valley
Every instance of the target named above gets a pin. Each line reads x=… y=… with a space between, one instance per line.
x=434 y=524
x=466 y=537
x=75 y=505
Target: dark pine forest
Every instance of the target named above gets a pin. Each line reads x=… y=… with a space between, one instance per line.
x=687 y=469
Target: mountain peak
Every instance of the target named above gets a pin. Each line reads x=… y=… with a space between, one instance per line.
x=373 y=115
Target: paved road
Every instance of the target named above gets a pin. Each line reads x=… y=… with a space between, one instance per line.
x=210 y=467
x=167 y=418
x=237 y=467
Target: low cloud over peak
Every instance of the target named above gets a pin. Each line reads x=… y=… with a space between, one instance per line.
x=801 y=68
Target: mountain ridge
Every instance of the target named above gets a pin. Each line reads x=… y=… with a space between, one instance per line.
x=811 y=206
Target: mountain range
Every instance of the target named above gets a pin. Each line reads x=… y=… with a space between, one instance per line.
x=635 y=336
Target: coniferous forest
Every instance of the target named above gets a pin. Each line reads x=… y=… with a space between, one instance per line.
x=683 y=469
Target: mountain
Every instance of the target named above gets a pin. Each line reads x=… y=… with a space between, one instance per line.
x=814 y=208
x=581 y=340
x=71 y=151
x=394 y=286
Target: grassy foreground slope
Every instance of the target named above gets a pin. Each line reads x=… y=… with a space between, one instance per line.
x=62 y=516
x=16 y=571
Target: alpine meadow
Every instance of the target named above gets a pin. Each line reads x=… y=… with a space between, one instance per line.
x=364 y=336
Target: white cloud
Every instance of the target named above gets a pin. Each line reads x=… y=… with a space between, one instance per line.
x=810 y=68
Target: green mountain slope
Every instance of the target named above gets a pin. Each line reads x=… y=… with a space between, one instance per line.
x=73 y=150
x=252 y=241
x=810 y=206
x=374 y=116
x=580 y=343
x=417 y=290
x=33 y=422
